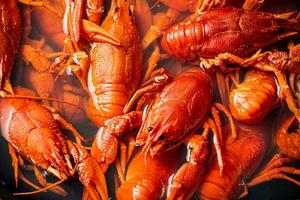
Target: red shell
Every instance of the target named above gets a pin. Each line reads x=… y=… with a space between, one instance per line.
x=223 y=30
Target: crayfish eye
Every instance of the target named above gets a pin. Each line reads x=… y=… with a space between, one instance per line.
x=149 y=129
x=117 y=9
x=161 y=138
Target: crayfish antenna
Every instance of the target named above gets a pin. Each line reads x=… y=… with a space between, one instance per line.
x=24 y=93
x=40 y=190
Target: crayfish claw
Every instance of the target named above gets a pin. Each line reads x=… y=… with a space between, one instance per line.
x=93 y=179
x=98 y=34
x=184 y=183
x=90 y=174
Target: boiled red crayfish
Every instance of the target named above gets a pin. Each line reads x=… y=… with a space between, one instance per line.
x=113 y=68
x=33 y=133
x=164 y=21
x=225 y=30
x=175 y=113
x=115 y=71
x=239 y=167
x=276 y=62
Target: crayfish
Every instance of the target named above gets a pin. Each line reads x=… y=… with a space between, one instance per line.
x=177 y=111
x=239 y=170
x=33 y=133
x=226 y=30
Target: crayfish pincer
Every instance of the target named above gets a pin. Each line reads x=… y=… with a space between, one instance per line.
x=226 y=30
x=33 y=132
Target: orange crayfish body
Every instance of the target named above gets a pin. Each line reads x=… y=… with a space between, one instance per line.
x=231 y=30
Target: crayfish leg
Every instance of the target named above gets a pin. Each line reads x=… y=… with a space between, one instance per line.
x=78 y=64
x=288 y=143
x=57 y=189
x=210 y=124
x=32 y=3
x=205 y=5
x=157 y=80
x=143 y=15
x=152 y=62
x=73 y=18
x=126 y=152
x=65 y=124
x=15 y=163
x=229 y=116
x=275 y=170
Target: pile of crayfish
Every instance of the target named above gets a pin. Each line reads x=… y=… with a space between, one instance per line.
x=176 y=99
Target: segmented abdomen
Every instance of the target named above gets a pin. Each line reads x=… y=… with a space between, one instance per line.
x=238 y=165
x=114 y=75
x=147 y=176
x=184 y=39
x=254 y=98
